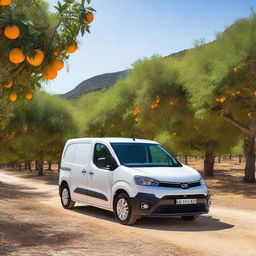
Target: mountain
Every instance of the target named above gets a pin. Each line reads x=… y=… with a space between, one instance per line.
x=106 y=80
x=95 y=83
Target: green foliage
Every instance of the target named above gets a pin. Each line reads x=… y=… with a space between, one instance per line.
x=152 y=103
x=38 y=129
x=220 y=75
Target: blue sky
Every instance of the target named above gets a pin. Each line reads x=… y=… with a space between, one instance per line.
x=127 y=30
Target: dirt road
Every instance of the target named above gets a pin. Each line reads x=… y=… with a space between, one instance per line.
x=33 y=222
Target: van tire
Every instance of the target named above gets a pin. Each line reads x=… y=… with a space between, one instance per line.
x=124 y=199
x=65 y=197
x=189 y=218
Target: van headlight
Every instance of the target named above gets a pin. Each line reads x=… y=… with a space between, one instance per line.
x=202 y=181
x=145 y=181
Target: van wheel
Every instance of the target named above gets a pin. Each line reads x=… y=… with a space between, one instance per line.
x=66 y=201
x=123 y=210
x=189 y=218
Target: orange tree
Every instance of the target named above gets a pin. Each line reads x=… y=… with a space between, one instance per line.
x=151 y=103
x=37 y=131
x=35 y=43
x=163 y=112
x=220 y=77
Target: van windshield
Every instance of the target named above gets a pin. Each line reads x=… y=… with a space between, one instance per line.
x=144 y=155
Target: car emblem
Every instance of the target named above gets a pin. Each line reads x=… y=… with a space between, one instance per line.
x=184 y=185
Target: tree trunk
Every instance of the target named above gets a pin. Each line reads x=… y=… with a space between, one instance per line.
x=230 y=157
x=26 y=165
x=186 y=159
x=219 y=159
x=40 y=166
x=209 y=163
x=19 y=164
x=240 y=159
x=249 y=151
x=30 y=165
x=36 y=165
x=49 y=165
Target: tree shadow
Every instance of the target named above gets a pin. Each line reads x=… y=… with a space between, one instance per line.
x=49 y=177
x=229 y=182
x=11 y=191
x=203 y=223
x=16 y=235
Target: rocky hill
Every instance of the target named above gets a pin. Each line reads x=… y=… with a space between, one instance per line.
x=103 y=81
x=95 y=83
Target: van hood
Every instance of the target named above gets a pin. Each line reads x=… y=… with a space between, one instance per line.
x=169 y=174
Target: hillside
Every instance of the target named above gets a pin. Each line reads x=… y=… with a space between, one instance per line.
x=105 y=80
x=95 y=83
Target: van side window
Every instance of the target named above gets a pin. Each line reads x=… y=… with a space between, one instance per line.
x=82 y=154
x=101 y=151
x=69 y=154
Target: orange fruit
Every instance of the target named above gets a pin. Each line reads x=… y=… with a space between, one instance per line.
x=222 y=99
x=136 y=111
x=57 y=64
x=29 y=96
x=16 y=56
x=249 y=115
x=9 y=85
x=89 y=17
x=235 y=69
x=36 y=59
x=13 y=97
x=72 y=48
x=12 y=31
x=154 y=105
x=50 y=73
x=5 y=2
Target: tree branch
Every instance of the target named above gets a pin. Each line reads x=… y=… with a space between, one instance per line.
x=242 y=127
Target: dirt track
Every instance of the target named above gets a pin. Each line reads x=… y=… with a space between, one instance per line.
x=33 y=222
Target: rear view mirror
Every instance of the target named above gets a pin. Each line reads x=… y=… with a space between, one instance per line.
x=102 y=163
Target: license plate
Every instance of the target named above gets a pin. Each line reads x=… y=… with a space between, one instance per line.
x=186 y=201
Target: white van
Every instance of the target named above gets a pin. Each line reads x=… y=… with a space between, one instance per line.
x=132 y=178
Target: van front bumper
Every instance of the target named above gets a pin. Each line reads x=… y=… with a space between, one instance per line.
x=167 y=205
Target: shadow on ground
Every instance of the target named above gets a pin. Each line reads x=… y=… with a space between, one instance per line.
x=49 y=177
x=12 y=238
x=228 y=181
x=11 y=191
x=203 y=223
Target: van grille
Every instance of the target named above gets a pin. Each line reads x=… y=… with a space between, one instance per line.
x=179 y=185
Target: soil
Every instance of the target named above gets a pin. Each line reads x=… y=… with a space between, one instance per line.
x=33 y=222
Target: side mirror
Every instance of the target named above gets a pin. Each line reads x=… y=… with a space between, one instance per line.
x=102 y=163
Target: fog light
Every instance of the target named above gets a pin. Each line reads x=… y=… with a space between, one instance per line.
x=144 y=205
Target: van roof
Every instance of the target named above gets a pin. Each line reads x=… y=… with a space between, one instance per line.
x=113 y=139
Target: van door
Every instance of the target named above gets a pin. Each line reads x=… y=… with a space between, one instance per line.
x=80 y=169
x=100 y=180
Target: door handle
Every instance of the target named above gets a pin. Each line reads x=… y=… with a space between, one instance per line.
x=91 y=173
x=83 y=171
